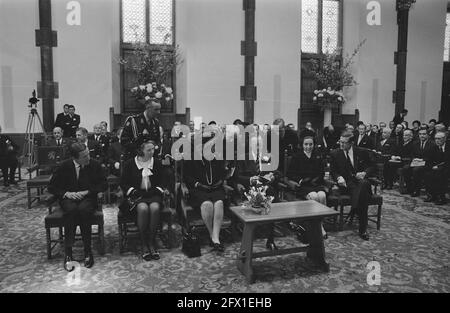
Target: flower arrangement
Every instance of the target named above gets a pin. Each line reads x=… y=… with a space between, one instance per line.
x=328 y=97
x=148 y=92
x=258 y=201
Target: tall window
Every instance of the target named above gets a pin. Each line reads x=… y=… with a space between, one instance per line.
x=447 y=39
x=149 y=22
x=321 y=26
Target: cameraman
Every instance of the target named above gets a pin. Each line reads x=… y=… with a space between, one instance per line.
x=8 y=159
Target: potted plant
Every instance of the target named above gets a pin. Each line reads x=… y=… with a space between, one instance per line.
x=333 y=73
x=258 y=201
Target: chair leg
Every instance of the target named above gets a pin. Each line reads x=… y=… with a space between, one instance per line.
x=341 y=218
x=101 y=239
x=49 y=243
x=379 y=217
x=120 y=238
x=29 y=197
x=169 y=232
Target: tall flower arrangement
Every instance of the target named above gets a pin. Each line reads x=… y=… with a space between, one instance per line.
x=333 y=73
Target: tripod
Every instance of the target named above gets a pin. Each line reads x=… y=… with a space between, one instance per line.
x=29 y=152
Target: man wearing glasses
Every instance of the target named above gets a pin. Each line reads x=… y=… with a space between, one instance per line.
x=350 y=166
x=438 y=165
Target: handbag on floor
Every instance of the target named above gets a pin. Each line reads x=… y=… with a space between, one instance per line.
x=191 y=244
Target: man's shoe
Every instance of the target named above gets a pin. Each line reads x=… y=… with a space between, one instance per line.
x=67 y=263
x=270 y=244
x=88 y=260
x=364 y=236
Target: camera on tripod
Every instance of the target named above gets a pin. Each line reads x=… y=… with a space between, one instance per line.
x=32 y=102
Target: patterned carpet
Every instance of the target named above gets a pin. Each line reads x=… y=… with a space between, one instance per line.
x=412 y=248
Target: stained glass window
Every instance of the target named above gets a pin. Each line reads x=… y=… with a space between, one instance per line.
x=447 y=40
x=160 y=21
x=159 y=15
x=310 y=16
x=320 y=25
x=330 y=25
x=133 y=20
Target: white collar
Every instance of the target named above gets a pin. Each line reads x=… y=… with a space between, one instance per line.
x=350 y=152
x=149 y=163
x=77 y=165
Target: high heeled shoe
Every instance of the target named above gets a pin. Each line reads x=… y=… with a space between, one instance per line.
x=270 y=244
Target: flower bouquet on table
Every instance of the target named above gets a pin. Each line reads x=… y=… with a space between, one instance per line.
x=328 y=98
x=152 y=91
x=258 y=201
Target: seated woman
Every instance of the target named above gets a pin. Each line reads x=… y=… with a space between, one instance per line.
x=306 y=174
x=140 y=181
x=205 y=180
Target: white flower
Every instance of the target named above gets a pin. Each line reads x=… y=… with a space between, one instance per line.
x=141 y=87
x=147 y=98
x=169 y=90
x=149 y=87
x=340 y=98
x=320 y=95
x=171 y=96
x=316 y=92
x=158 y=95
x=163 y=86
x=331 y=92
x=134 y=89
x=329 y=88
x=315 y=99
x=168 y=98
x=323 y=90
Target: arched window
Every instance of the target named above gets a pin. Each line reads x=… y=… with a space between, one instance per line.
x=321 y=26
x=149 y=22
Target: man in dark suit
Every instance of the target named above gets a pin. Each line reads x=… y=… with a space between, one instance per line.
x=115 y=154
x=401 y=158
x=421 y=153
x=77 y=183
x=397 y=135
x=63 y=121
x=102 y=140
x=363 y=140
x=350 y=166
x=438 y=170
x=58 y=138
x=144 y=126
x=8 y=159
x=93 y=146
x=73 y=122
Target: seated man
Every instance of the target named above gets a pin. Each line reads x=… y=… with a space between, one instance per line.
x=115 y=153
x=400 y=159
x=76 y=183
x=386 y=148
x=93 y=146
x=100 y=137
x=438 y=170
x=8 y=159
x=364 y=141
x=421 y=154
x=350 y=166
x=58 y=139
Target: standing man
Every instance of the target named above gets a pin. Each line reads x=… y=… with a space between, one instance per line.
x=76 y=183
x=144 y=126
x=93 y=146
x=8 y=159
x=438 y=170
x=73 y=122
x=400 y=117
x=62 y=119
x=350 y=167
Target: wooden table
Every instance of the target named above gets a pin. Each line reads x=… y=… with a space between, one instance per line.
x=311 y=212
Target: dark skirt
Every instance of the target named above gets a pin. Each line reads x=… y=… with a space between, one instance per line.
x=199 y=196
x=149 y=197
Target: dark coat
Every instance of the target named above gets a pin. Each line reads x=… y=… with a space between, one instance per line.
x=366 y=142
x=340 y=167
x=65 y=179
x=132 y=177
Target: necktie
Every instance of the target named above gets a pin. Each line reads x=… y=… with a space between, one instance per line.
x=58 y=143
x=423 y=145
x=349 y=161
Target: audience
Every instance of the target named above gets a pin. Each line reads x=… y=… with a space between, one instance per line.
x=8 y=159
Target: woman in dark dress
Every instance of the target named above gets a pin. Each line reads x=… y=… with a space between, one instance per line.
x=205 y=180
x=306 y=172
x=140 y=181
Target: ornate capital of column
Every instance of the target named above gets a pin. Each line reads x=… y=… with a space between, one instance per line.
x=404 y=4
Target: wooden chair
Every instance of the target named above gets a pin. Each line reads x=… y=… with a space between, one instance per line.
x=48 y=158
x=127 y=226
x=54 y=219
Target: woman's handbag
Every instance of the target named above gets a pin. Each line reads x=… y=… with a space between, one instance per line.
x=191 y=244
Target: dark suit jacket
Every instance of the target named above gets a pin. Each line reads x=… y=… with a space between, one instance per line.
x=398 y=119
x=301 y=167
x=420 y=153
x=340 y=167
x=388 y=148
x=197 y=171
x=115 y=152
x=61 y=120
x=442 y=160
x=406 y=151
x=366 y=142
x=132 y=176
x=74 y=123
x=5 y=142
x=65 y=180
x=64 y=142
